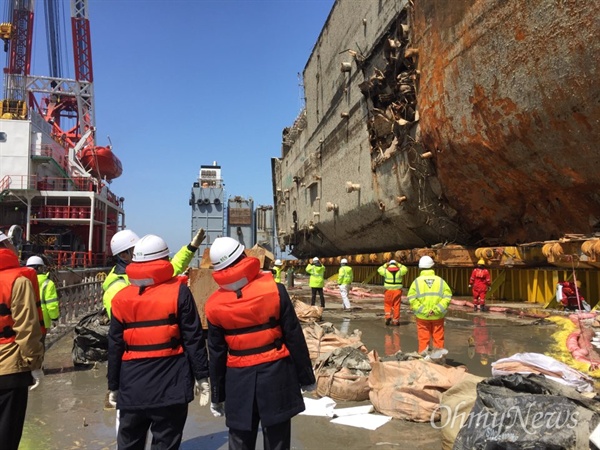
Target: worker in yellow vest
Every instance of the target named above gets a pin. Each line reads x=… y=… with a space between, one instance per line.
x=277 y=268
x=316 y=281
x=48 y=293
x=392 y=273
x=429 y=296
x=345 y=278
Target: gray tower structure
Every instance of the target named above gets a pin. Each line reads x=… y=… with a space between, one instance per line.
x=265 y=225
x=240 y=220
x=208 y=207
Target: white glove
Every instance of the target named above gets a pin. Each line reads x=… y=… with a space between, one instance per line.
x=217 y=409
x=198 y=238
x=202 y=389
x=37 y=377
x=112 y=398
x=308 y=387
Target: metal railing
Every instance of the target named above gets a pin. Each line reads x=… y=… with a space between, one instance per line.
x=75 y=301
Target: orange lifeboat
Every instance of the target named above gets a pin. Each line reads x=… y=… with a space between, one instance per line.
x=101 y=162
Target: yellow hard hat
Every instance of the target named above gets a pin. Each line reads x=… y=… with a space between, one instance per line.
x=481 y=262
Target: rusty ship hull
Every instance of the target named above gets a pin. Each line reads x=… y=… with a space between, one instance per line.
x=426 y=123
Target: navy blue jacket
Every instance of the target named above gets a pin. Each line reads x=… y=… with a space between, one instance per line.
x=158 y=382
x=273 y=388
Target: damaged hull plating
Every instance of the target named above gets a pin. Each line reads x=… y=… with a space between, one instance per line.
x=468 y=122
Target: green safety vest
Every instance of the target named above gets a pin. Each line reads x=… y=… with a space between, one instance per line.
x=277 y=275
x=429 y=293
x=345 y=275
x=48 y=299
x=317 y=276
x=392 y=280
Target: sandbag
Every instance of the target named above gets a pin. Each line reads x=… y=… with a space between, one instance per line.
x=411 y=390
x=526 y=412
x=307 y=313
x=322 y=339
x=343 y=375
x=455 y=405
x=91 y=339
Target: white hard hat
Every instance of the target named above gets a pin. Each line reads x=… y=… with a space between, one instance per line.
x=315 y=259
x=3 y=237
x=34 y=261
x=392 y=261
x=123 y=240
x=426 y=262
x=344 y=261
x=278 y=262
x=150 y=248
x=224 y=251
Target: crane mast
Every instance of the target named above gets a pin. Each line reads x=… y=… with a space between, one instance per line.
x=82 y=54
x=66 y=104
x=17 y=35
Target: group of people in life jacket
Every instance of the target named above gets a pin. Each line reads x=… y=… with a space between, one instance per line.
x=251 y=365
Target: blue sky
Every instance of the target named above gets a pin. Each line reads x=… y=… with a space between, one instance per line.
x=182 y=83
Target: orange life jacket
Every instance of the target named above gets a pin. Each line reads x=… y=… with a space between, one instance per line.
x=147 y=309
x=10 y=270
x=249 y=316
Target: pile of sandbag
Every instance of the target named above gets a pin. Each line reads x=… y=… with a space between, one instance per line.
x=306 y=313
x=411 y=389
x=322 y=339
x=343 y=375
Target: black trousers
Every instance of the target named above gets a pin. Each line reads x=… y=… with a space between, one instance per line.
x=165 y=424
x=13 y=405
x=314 y=296
x=276 y=437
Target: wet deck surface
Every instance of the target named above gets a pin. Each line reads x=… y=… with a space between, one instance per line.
x=67 y=410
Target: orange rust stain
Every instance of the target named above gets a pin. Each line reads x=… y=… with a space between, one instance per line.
x=520 y=35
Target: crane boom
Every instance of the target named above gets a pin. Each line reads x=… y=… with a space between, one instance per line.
x=82 y=53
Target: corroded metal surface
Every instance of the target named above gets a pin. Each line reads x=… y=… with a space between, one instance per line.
x=510 y=105
x=466 y=122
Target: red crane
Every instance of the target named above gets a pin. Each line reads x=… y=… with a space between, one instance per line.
x=66 y=104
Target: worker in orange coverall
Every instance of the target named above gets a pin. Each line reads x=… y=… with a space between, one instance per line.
x=429 y=296
x=392 y=273
x=480 y=282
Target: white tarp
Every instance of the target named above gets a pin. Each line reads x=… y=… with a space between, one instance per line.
x=525 y=363
x=357 y=416
x=368 y=421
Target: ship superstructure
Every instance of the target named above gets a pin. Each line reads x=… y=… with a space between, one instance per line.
x=54 y=178
x=240 y=220
x=265 y=227
x=208 y=209
x=236 y=217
